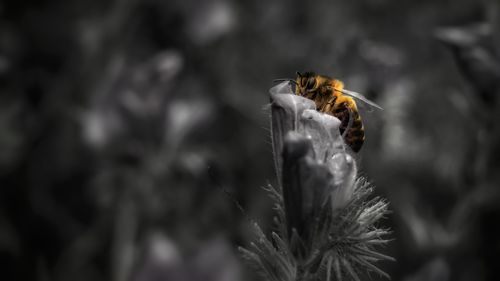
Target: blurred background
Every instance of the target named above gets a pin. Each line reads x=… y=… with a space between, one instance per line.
x=122 y=123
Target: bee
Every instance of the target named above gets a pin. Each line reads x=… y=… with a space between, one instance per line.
x=331 y=98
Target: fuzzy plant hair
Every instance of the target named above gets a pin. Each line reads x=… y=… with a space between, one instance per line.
x=326 y=221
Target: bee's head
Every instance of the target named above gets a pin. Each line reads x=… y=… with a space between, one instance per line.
x=306 y=82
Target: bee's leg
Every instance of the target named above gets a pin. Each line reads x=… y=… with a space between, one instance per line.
x=349 y=123
x=328 y=106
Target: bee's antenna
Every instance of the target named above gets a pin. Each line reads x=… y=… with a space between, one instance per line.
x=285 y=79
x=299 y=74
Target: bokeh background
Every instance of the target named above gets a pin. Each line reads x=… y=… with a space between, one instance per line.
x=131 y=130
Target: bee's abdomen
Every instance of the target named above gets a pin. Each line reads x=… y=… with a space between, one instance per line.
x=355 y=135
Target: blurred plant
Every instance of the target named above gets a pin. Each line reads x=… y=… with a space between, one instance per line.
x=474 y=52
x=213 y=260
x=326 y=220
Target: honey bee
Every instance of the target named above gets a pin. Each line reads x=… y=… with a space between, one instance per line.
x=331 y=98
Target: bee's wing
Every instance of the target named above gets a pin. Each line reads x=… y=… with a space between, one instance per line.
x=361 y=98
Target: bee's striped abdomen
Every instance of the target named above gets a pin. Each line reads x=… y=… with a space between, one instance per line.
x=355 y=135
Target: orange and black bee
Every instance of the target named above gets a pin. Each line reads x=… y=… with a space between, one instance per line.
x=331 y=98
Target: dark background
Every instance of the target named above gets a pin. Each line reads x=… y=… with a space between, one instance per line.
x=112 y=112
